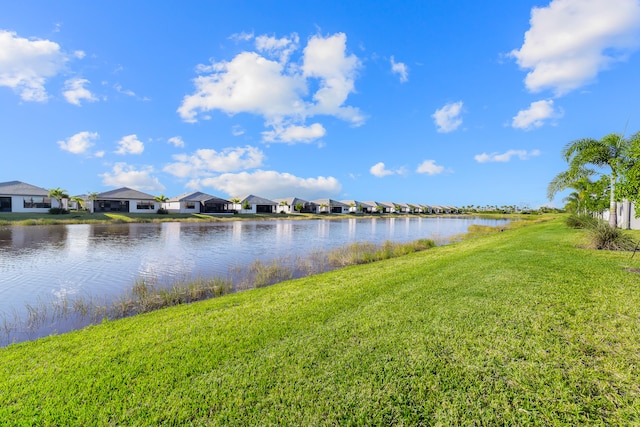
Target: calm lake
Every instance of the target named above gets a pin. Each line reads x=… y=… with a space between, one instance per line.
x=45 y=263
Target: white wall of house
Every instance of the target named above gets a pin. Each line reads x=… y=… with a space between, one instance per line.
x=18 y=204
x=182 y=207
x=133 y=206
x=238 y=207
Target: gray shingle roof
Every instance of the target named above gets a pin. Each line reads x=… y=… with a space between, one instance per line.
x=125 y=193
x=19 y=188
x=255 y=200
x=197 y=197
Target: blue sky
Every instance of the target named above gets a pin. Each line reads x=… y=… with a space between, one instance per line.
x=435 y=102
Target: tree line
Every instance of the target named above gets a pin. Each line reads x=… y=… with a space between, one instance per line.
x=601 y=172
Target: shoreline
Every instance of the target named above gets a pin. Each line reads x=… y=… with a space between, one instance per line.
x=28 y=219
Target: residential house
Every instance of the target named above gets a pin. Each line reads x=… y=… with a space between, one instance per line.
x=388 y=207
x=198 y=202
x=331 y=206
x=376 y=207
x=356 y=206
x=125 y=200
x=403 y=208
x=289 y=204
x=17 y=196
x=253 y=204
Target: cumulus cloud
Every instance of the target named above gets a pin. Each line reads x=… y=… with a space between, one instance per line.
x=281 y=48
x=272 y=184
x=279 y=90
x=293 y=134
x=75 y=91
x=125 y=175
x=130 y=144
x=430 y=168
x=400 y=69
x=571 y=41
x=506 y=157
x=380 y=170
x=535 y=115
x=26 y=64
x=79 y=143
x=176 y=141
x=447 y=118
x=205 y=161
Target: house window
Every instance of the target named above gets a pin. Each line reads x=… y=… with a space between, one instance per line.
x=37 y=202
x=5 y=204
x=145 y=205
x=189 y=205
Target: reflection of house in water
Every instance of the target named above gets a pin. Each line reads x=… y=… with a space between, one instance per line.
x=16 y=237
x=284 y=231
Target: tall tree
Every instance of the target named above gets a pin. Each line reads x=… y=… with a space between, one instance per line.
x=58 y=194
x=608 y=153
x=629 y=186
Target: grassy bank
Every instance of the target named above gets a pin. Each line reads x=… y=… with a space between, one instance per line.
x=515 y=328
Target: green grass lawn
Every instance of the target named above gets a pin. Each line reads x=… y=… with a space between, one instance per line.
x=521 y=327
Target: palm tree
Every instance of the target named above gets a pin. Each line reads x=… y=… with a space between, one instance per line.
x=58 y=194
x=79 y=201
x=608 y=152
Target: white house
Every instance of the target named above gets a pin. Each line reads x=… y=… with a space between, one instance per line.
x=17 y=196
x=356 y=206
x=331 y=206
x=251 y=204
x=197 y=202
x=288 y=205
x=125 y=200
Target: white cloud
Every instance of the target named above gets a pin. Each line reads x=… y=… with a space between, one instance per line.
x=118 y=87
x=124 y=175
x=379 y=170
x=326 y=59
x=281 y=48
x=447 y=118
x=506 y=157
x=26 y=64
x=79 y=143
x=249 y=83
x=293 y=134
x=430 y=168
x=272 y=184
x=75 y=91
x=205 y=162
x=279 y=90
x=571 y=41
x=535 y=115
x=401 y=69
x=130 y=144
x=176 y=141
x=237 y=130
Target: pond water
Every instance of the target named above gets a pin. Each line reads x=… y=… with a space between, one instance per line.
x=45 y=263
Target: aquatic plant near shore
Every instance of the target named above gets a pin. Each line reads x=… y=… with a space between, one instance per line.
x=149 y=294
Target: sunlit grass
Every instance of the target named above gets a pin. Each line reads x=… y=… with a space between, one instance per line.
x=521 y=327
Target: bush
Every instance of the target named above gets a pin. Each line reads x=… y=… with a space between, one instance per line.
x=582 y=221
x=162 y=211
x=602 y=236
x=58 y=211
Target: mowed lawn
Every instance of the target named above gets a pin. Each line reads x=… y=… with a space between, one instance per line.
x=521 y=327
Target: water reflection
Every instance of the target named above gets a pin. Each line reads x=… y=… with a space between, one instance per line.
x=44 y=263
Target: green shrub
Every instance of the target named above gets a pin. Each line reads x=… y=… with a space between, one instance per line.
x=162 y=211
x=602 y=236
x=582 y=221
x=58 y=211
